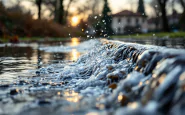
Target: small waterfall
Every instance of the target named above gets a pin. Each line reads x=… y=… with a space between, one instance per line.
x=140 y=79
x=132 y=78
x=116 y=77
x=156 y=83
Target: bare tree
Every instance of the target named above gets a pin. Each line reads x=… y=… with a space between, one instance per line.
x=96 y=9
x=182 y=2
x=57 y=9
x=39 y=6
x=53 y=7
x=156 y=9
x=61 y=18
x=162 y=4
x=182 y=25
x=92 y=8
x=154 y=4
x=68 y=7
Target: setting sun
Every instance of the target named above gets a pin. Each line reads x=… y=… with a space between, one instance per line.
x=75 y=21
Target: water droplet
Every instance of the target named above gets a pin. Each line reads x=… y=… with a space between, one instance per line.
x=95 y=17
x=40 y=63
x=58 y=93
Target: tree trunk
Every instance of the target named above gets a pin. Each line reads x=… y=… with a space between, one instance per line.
x=39 y=6
x=183 y=5
x=67 y=10
x=165 y=20
x=39 y=12
x=61 y=13
x=162 y=4
x=56 y=10
x=181 y=23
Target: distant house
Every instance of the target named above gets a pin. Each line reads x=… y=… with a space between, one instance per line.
x=128 y=22
x=174 y=18
x=155 y=24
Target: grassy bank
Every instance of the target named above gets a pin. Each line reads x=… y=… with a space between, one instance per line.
x=153 y=35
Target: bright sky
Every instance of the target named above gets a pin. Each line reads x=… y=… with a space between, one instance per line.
x=116 y=6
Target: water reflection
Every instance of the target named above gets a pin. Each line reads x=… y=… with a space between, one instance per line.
x=171 y=43
x=39 y=58
x=74 y=42
x=74 y=55
x=93 y=113
x=71 y=96
x=17 y=60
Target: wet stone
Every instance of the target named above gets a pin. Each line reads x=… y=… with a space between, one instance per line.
x=113 y=77
x=23 y=82
x=37 y=73
x=124 y=100
x=113 y=86
x=14 y=92
x=45 y=83
x=4 y=86
x=109 y=67
x=44 y=102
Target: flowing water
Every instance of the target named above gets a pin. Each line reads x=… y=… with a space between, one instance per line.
x=93 y=77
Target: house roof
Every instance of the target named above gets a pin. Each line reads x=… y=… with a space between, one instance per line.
x=127 y=13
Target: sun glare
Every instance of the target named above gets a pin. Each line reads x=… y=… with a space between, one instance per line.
x=75 y=21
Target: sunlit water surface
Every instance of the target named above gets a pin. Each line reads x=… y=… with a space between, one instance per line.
x=18 y=59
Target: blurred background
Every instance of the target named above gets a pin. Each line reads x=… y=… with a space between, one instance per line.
x=35 y=19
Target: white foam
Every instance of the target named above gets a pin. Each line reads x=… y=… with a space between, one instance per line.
x=82 y=47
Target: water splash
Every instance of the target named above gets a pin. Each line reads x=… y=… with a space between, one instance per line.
x=127 y=77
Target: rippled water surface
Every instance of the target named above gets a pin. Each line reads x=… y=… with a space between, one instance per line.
x=18 y=59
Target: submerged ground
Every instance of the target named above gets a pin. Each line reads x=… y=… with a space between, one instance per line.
x=109 y=77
